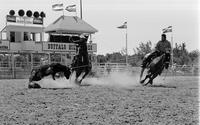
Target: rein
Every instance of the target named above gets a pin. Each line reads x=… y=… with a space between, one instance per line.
x=76 y=67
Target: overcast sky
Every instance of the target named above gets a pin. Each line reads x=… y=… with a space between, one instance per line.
x=146 y=19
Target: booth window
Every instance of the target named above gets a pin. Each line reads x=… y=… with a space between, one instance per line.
x=12 y=36
x=37 y=37
x=26 y=36
x=68 y=56
x=4 y=36
x=32 y=36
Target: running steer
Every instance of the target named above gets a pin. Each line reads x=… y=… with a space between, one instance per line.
x=45 y=70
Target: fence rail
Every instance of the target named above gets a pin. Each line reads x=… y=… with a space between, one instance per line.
x=22 y=70
x=106 y=68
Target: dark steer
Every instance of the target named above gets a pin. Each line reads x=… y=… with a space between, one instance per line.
x=59 y=68
x=45 y=70
x=38 y=74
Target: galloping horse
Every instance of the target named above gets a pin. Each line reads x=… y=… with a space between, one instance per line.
x=81 y=64
x=154 y=68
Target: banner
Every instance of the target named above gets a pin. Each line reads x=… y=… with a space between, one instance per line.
x=20 y=20
x=71 y=8
x=28 y=20
x=57 y=7
x=38 y=21
x=124 y=26
x=92 y=47
x=10 y=18
x=24 y=20
x=54 y=46
x=168 y=29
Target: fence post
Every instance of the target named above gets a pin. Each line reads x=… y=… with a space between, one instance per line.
x=31 y=61
x=49 y=58
x=13 y=65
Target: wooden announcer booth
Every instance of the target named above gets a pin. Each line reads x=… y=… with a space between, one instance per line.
x=22 y=44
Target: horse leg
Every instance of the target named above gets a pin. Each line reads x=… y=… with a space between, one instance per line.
x=86 y=73
x=147 y=76
x=141 y=74
x=53 y=76
x=152 y=78
x=78 y=73
x=82 y=78
x=150 y=81
x=142 y=81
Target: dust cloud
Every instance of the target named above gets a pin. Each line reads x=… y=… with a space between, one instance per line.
x=115 y=79
x=61 y=82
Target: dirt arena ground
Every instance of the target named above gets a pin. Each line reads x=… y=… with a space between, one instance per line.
x=170 y=102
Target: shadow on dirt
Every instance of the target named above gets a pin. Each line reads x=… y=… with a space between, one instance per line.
x=48 y=88
x=62 y=88
x=85 y=85
x=163 y=86
x=54 y=88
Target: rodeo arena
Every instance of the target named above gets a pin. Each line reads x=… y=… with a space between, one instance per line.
x=59 y=81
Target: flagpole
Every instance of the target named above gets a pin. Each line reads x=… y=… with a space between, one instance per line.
x=166 y=30
x=126 y=46
x=81 y=9
x=76 y=13
x=124 y=26
x=172 y=47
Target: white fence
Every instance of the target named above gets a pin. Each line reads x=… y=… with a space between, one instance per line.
x=22 y=70
x=106 y=68
x=17 y=70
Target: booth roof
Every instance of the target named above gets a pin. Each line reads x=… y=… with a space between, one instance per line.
x=22 y=28
x=70 y=24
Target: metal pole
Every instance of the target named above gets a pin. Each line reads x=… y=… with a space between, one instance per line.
x=31 y=61
x=63 y=14
x=13 y=65
x=172 y=47
x=81 y=9
x=126 y=48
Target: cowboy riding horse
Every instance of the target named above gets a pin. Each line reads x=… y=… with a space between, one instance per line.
x=81 y=64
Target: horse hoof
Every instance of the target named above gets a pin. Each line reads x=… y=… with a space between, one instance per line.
x=151 y=82
x=142 y=81
x=77 y=82
x=150 y=85
x=33 y=86
x=144 y=84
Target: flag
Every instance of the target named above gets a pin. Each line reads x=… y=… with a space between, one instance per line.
x=168 y=29
x=124 y=26
x=57 y=7
x=71 y=8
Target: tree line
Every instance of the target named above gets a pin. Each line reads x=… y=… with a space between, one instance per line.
x=181 y=56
